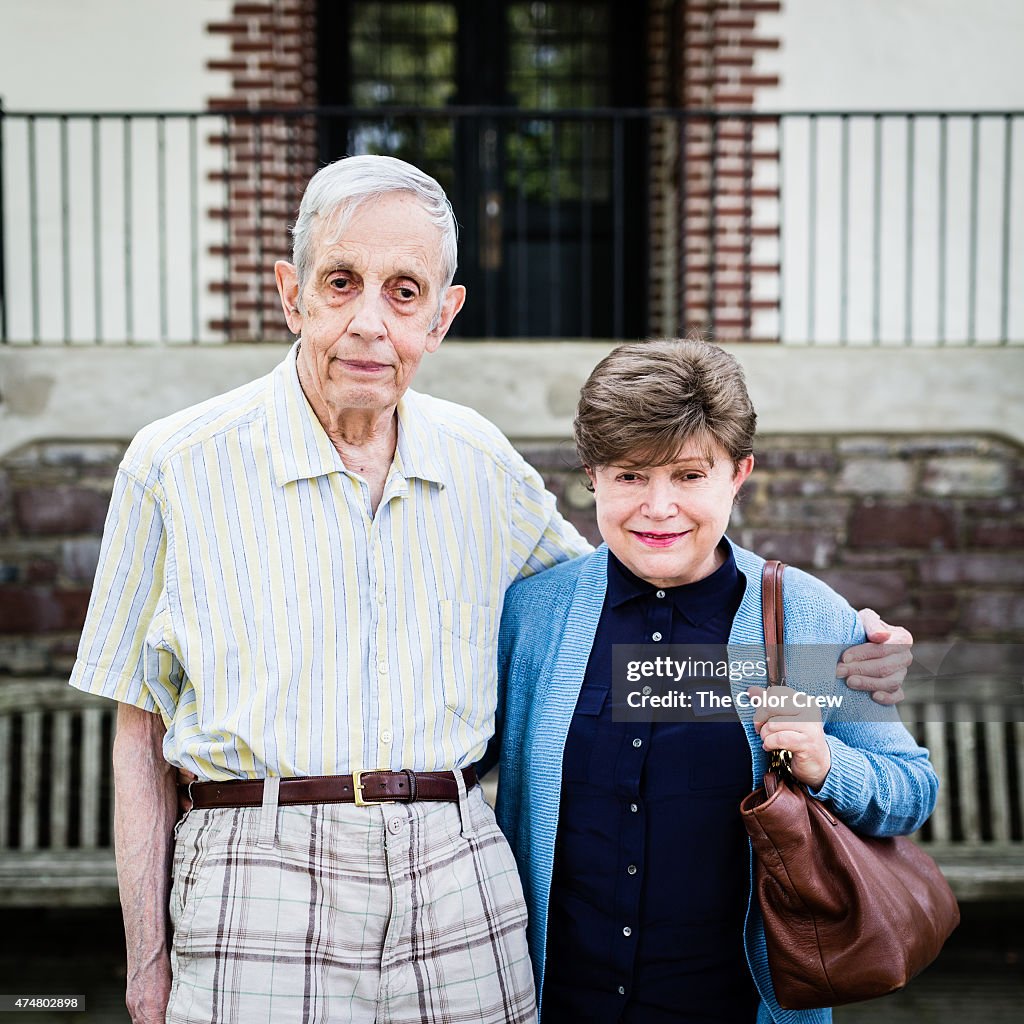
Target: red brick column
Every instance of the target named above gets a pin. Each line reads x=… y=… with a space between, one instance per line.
x=267 y=157
x=706 y=224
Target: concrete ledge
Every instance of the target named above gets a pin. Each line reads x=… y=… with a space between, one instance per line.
x=528 y=388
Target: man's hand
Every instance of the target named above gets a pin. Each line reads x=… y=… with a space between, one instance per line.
x=149 y=991
x=881 y=664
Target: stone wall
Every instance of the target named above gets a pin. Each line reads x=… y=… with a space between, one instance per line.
x=927 y=530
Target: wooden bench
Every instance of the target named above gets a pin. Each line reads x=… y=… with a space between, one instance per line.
x=56 y=799
x=976 y=832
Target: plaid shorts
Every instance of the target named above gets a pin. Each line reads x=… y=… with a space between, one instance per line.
x=397 y=913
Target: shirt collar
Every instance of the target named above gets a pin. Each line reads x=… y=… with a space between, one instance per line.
x=300 y=448
x=697 y=602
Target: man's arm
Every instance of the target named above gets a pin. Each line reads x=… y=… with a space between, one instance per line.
x=145 y=811
x=881 y=664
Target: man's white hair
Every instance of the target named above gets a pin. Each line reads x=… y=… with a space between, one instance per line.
x=336 y=191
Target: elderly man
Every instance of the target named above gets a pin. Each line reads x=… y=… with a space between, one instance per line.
x=297 y=600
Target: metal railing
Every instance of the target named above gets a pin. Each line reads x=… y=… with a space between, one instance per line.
x=849 y=228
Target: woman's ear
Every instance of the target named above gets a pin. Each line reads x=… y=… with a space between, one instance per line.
x=743 y=469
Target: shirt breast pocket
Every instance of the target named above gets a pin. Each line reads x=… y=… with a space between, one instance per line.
x=468 y=635
x=583 y=751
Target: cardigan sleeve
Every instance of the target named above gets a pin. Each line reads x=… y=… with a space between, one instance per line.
x=881 y=782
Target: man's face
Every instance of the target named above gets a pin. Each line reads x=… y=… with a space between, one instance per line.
x=367 y=311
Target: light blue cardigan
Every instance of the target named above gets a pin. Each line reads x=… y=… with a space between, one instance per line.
x=881 y=782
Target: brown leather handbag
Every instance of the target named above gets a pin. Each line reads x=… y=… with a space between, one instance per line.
x=846 y=917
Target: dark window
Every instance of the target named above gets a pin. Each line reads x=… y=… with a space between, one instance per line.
x=508 y=106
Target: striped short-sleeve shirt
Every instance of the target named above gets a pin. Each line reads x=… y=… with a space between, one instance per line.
x=247 y=592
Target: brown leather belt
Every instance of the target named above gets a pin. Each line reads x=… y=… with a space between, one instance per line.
x=362 y=788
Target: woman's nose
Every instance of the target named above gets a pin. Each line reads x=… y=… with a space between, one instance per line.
x=660 y=502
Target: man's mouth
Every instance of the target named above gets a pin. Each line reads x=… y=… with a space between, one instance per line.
x=363 y=366
x=658 y=540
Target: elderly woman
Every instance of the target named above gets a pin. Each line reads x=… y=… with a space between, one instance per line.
x=635 y=863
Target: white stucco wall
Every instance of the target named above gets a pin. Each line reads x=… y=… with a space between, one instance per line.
x=109 y=55
x=892 y=55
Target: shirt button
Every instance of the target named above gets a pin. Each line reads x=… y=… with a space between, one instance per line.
x=646 y=690
x=634 y=808
x=395 y=826
x=622 y=990
x=655 y=637
x=382 y=667
x=661 y=593
x=631 y=870
x=385 y=736
x=627 y=931
x=381 y=597
x=638 y=742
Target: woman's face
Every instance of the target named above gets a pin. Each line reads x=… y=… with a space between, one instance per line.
x=664 y=523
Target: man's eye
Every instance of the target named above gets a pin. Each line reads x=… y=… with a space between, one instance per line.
x=628 y=478
x=405 y=293
x=340 y=283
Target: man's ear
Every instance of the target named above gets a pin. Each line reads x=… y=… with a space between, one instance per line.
x=454 y=299
x=288 y=288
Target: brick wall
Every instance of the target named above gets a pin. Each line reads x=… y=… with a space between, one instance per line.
x=702 y=54
x=723 y=176
x=929 y=531
x=267 y=159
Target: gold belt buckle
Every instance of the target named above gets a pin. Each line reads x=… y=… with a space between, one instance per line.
x=357 y=789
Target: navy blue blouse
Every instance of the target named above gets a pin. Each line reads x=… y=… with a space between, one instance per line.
x=651 y=869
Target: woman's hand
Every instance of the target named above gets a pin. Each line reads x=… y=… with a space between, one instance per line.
x=796 y=729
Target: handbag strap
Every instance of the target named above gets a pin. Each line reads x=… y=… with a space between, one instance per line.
x=771 y=619
x=779 y=761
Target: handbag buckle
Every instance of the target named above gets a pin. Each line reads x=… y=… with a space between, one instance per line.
x=781 y=761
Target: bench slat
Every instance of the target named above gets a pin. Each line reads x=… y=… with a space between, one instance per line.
x=60 y=777
x=6 y=769
x=1018 y=747
x=31 y=777
x=935 y=741
x=998 y=779
x=93 y=775
x=966 y=753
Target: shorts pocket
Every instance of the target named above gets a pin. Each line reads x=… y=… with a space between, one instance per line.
x=198 y=837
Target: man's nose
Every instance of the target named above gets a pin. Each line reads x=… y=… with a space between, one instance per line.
x=368 y=315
